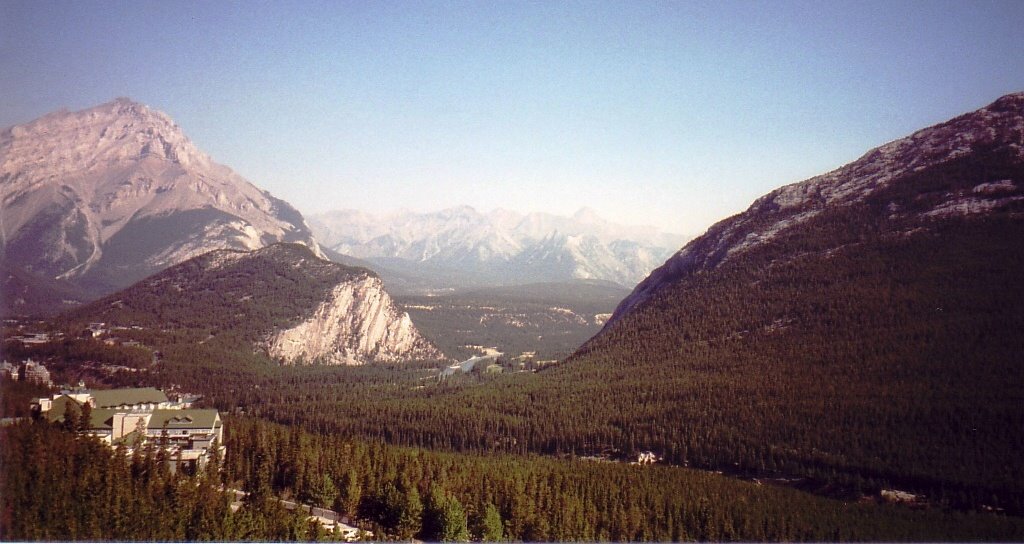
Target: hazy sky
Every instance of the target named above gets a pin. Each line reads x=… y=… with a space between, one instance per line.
x=673 y=114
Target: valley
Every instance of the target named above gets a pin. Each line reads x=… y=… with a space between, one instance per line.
x=853 y=338
x=534 y=321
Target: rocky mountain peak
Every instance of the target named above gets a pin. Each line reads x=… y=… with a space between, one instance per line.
x=1000 y=123
x=117 y=191
x=1013 y=102
x=587 y=215
x=116 y=132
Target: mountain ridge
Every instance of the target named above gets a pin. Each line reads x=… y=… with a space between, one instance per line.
x=792 y=205
x=499 y=247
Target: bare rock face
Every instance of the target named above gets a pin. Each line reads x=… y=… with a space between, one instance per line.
x=356 y=324
x=997 y=128
x=111 y=194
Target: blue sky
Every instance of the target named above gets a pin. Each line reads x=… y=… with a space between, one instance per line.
x=675 y=114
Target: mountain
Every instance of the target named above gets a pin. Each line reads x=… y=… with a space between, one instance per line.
x=463 y=247
x=862 y=327
x=281 y=299
x=108 y=195
x=899 y=176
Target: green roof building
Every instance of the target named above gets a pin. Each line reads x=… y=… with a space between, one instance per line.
x=137 y=396
x=133 y=416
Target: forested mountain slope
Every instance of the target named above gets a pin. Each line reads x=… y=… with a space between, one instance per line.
x=282 y=299
x=864 y=322
x=895 y=176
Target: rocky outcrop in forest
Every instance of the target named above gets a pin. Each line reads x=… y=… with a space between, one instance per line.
x=282 y=299
x=355 y=324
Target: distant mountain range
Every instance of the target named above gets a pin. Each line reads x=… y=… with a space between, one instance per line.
x=100 y=198
x=97 y=199
x=461 y=246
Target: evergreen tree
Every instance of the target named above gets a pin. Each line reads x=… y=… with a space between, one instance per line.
x=86 y=419
x=444 y=519
x=453 y=521
x=352 y=495
x=323 y=492
x=72 y=416
x=410 y=520
x=490 y=527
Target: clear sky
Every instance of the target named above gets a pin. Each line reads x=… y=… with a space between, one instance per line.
x=674 y=114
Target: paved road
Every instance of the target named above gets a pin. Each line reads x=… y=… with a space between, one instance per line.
x=329 y=515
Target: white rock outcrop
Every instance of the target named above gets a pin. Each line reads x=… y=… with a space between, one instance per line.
x=357 y=324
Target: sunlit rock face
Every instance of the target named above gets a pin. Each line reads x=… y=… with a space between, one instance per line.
x=357 y=324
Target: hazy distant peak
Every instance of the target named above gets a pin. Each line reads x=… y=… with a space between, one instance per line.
x=587 y=215
x=501 y=243
x=464 y=211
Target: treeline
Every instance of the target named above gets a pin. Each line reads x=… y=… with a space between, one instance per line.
x=16 y=397
x=74 y=350
x=58 y=485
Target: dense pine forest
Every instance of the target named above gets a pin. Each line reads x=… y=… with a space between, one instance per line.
x=550 y=319
x=74 y=488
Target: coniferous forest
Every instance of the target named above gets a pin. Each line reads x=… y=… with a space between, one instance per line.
x=97 y=493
